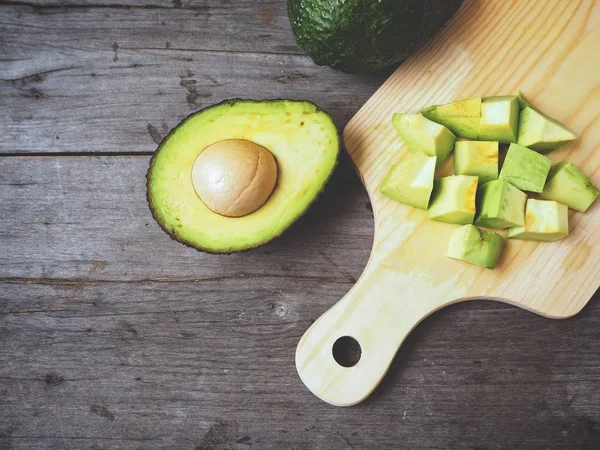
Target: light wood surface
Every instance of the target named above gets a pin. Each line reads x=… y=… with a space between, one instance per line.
x=549 y=51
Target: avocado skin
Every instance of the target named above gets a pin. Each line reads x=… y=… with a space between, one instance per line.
x=229 y=102
x=360 y=36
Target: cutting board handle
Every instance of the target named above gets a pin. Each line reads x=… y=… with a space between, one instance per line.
x=369 y=313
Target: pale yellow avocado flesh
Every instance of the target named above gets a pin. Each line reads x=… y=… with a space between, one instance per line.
x=411 y=180
x=461 y=118
x=476 y=246
x=423 y=135
x=453 y=199
x=302 y=138
x=541 y=133
x=545 y=220
x=499 y=119
x=476 y=158
x=570 y=186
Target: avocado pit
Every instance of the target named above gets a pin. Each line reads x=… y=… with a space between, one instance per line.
x=234 y=177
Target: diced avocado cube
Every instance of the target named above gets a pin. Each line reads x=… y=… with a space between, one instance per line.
x=424 y=135
x=453 y=199
x=411 y=180
x=478 y=158
x=499 y=119
x=525 y=169
x=462 y=117
x=568 y=185
x=541 y=133
x=545 y=220
x=500 y=205
x=474 y=245
x=538 y=131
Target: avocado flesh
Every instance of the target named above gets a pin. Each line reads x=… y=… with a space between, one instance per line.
x=570 y=186
x=453 y=199
x=541 y=133
x=366 y=36
x=500 y=205
x=302 y=138
x=462 y=117
x=411 y=180
x=525 y=169
x=499 y=119
x=545 y=220
x=477 y=158
x=471 y=244
x=424 y=135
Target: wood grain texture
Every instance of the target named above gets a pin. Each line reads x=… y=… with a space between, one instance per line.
x=131 y=340
x=112 y=336
x=213 y=25
x=116 y=80
x=86 y=219
x=210 y=366
x=548 y=51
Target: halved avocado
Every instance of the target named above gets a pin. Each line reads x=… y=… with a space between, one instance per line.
x=302 y=138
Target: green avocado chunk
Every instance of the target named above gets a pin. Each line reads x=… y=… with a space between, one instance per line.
x=411 y=180
x=453 y=199
x=424 y=135
x=461 y=117
x=525 y=169
x=302 y=138
x=500 y=205
x=545 y=220
x=499 y=119
x=568 y=185
x=476 y=246
x=366 y=36
x=478 y=158
x=541 y=133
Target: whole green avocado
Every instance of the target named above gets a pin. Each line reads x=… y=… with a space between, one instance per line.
x=366 y=35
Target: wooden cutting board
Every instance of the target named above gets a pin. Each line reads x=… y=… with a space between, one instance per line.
x=549 y=50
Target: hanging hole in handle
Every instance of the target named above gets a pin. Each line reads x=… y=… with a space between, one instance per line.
x=346 y=351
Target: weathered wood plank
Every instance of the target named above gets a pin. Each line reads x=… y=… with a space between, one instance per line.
x=85 y=102
x=94 y=354
x=86 y=218
x=96 y=80
x=190 y=5
x=210 y=365
x=31 y=27
x=130 y=4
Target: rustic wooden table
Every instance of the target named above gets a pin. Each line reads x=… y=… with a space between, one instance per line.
x=113 y=336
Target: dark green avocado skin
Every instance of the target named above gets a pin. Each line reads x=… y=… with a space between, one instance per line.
x=360 y=36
